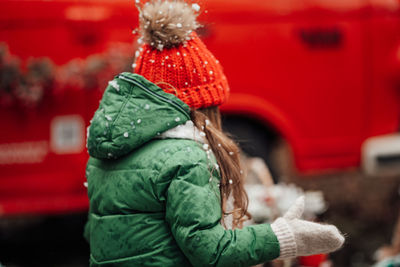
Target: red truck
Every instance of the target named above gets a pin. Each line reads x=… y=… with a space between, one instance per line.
x=323 y=75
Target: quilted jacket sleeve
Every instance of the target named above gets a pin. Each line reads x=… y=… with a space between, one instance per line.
x=193 y=213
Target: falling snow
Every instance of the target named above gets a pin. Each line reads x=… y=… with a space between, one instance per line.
x=196 y=7
x=114 y=84
x=126 y=134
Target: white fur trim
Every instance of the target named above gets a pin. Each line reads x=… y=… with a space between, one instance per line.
x=183 y=131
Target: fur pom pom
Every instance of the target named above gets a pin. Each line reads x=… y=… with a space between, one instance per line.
x=165 y=24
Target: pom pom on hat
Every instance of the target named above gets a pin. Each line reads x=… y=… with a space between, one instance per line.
x=167 y=24
x=173 y=56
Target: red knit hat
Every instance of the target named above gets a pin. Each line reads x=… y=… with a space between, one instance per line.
x=174 y=58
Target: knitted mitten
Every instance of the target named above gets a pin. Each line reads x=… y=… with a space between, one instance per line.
x=301 y=238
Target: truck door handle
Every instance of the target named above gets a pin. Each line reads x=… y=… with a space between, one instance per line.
x=321 y=38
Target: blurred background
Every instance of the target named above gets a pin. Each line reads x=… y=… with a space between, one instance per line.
x=315 y=105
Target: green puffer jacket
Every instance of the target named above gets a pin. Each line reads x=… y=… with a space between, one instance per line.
x=154 y=201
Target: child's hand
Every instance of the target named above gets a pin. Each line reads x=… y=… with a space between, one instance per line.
x=301 y=238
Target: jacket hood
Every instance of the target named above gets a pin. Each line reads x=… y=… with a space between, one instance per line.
x=132 y=112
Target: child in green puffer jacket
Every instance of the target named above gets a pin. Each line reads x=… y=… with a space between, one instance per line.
x=161 y=170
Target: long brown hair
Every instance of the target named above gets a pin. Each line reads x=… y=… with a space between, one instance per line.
x=228 y=157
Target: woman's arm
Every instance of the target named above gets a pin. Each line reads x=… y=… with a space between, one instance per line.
x=194 y=214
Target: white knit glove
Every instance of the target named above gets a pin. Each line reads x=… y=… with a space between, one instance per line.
x=301 y=238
